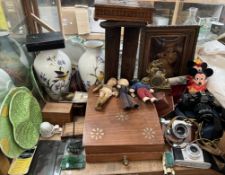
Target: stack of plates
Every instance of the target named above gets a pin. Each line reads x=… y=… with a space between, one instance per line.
x=20 y=119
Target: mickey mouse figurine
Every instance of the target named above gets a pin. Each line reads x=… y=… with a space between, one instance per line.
x=199 y=80
x=144 y=91
x=197 y=64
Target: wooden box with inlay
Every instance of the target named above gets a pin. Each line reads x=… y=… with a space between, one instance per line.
x=117 y=135
x=132 y=10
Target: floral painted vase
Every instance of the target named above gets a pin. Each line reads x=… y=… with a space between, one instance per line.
x=74 y=49
x=53 y=68
x=91 y=64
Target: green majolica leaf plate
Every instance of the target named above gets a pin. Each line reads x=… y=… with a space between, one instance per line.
x=25 y=117
x=8 y=144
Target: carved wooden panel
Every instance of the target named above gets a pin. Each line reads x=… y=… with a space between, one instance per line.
x=174 y=45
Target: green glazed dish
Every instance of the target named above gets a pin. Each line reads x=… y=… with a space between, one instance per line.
x=7 y=143
x=25 y=117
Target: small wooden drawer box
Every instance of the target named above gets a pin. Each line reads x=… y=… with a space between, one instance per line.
x=117 y=135
x=57 y=113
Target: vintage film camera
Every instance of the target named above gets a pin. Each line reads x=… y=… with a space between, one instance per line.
x=201 y=104
x=191 y=156
x=176 y=131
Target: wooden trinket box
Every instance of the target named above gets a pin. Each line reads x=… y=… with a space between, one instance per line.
x=118 y=135
x=132 y=10
x=57 y=113
x=73 y=129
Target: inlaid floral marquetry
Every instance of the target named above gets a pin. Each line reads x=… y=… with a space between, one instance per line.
x=97 y=133
x=122 y=116
x=149 y=133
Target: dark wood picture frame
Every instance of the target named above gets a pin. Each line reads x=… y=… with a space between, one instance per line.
x=176 y=44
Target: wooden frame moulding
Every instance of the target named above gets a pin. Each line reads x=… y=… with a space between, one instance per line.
x=159 y=42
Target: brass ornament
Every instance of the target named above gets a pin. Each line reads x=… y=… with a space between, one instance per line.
x=156 y=75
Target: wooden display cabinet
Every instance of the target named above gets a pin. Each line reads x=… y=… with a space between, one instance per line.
x=178 y=8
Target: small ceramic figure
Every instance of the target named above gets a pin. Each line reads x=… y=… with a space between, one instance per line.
x=126 y=100
x=105 y=93
x=48 y=130
x=144 y=91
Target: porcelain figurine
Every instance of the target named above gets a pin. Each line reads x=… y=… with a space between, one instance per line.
x=127 y=101
x=48 y=130
x=105 y=93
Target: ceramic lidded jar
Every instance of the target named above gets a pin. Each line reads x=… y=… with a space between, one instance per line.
x=91 y=64
x=53 y=68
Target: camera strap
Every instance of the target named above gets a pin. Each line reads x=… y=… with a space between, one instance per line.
x=220 y=165
x=211 y=147
x=170 y=141
x=217 y=154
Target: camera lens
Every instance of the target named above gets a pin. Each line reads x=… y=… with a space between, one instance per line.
x=193 y=149
x=181 y=131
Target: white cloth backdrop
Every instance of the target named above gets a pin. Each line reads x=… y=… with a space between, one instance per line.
x=213 y=53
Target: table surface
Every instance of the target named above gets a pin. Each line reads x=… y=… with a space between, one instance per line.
x=153 y=167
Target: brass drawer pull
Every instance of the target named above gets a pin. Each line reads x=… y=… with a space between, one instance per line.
x=125 y=161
